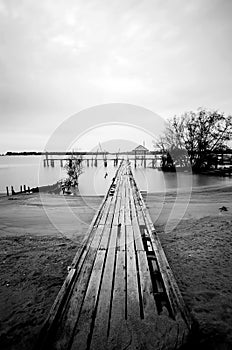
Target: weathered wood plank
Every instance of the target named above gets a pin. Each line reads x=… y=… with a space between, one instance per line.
x=133 y=303
x=148 y=301
x=119 y=336
x=117 y=208
x=105 y=237
x=137 y=233
x=82 y=332
x=106 y=211
x=66 y=327
x=112 y=210
x=101 y=325
x=127 y=205
x=121 y=218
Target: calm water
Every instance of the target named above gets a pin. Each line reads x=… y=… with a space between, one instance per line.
x=29 y=171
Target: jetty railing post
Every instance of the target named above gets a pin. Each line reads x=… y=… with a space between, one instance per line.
x=7 y=191
x=24 y=188
x=12 y=190
x=21 y=188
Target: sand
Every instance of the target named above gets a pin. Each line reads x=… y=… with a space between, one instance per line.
x=39 y=237
x=199 y=250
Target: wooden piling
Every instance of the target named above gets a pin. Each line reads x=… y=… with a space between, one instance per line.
x=21 y=188
x=24 y=188
x=47 y=161
x=12 y=190
x=7 y=191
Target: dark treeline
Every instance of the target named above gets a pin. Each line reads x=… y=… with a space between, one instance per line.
x=197 y=140
x=33 y=153
x=73 y=153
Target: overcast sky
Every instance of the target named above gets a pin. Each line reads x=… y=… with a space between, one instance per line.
x=60 y=57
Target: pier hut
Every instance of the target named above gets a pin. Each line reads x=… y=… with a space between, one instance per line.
x=140 y=153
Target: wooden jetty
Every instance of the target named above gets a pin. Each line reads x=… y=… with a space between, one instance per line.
x=120 y=292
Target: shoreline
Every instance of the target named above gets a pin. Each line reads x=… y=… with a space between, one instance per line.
x=40 y=233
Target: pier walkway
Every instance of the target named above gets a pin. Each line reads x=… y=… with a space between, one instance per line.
x=120 y=292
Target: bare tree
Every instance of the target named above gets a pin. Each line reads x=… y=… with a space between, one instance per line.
x=198 y=135
x=74 y=168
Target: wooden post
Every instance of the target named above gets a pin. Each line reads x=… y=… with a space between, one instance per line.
x=12 y=190
x=46 y=155
x=28 y=189
x=21 y=188
x=61 y=163
x=7 y=191
x=24 y=188
x=44 y=162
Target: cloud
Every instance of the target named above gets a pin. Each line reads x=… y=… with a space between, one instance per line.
x=57 y=57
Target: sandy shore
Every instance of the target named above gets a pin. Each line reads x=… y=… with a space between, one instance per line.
x=199 y=250
x=39 y=237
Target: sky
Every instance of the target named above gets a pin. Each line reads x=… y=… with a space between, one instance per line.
x=59 y=57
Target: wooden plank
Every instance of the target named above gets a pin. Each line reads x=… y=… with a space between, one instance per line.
x=112 y=208
x=119 y=335
x=133 y=305
x=137 y=233
x=100 y=331
x=121 y=238
x=148 y=301
x=117 y=208
x=117 y=200
x=121 y=218
x=105 y=211
x=65 y=329
x=127 y=205
x=105 y=237
x=83 y=328
x=138 y=208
